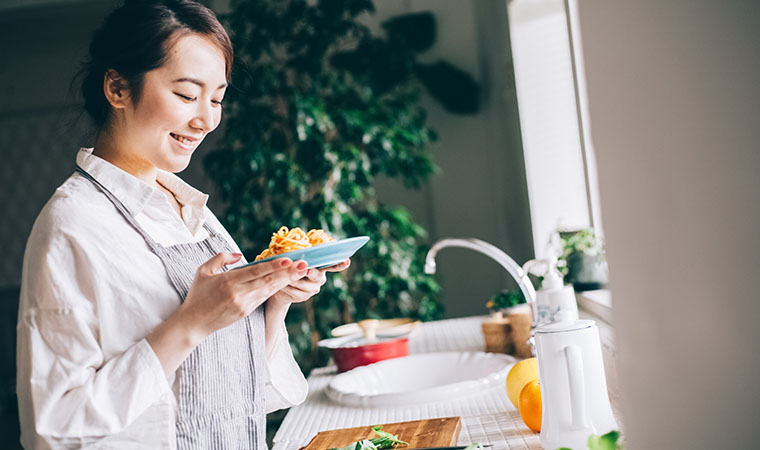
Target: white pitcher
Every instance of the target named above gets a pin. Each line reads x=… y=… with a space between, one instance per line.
x=573 y=387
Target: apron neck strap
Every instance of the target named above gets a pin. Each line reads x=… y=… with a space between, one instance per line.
x=119 y=206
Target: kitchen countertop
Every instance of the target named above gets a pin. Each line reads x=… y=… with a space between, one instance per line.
x=487 y=417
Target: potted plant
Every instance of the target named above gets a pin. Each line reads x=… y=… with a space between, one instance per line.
x=505 y=301
x=318 y=109
x=508 y=328
x=582 y=260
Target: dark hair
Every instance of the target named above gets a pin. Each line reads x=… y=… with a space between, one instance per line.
x=135 y=38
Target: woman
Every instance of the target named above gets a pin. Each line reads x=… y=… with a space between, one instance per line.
x=132 y=331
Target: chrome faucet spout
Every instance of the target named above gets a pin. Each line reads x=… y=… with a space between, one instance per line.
x=520 y=276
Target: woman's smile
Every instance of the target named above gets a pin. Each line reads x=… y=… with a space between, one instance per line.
x=185 y=93
x=186 y=143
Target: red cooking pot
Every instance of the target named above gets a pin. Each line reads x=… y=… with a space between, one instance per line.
x=348 y=357
x=374 y=343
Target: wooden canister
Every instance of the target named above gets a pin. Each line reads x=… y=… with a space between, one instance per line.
x=520 y=324
x=497 y=333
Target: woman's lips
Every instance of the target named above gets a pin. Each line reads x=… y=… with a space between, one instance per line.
x=185 y=142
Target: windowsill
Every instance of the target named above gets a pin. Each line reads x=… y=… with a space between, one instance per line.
x=598 y=303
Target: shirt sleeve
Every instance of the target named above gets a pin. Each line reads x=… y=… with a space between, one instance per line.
x=69 y=393
x=286 y=385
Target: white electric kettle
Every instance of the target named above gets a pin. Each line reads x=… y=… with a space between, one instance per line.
x=573 y=387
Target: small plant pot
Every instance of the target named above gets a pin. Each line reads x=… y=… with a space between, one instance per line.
x=586 y=272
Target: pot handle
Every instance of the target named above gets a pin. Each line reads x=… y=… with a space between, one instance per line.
x=369 y=328
x=574 y=361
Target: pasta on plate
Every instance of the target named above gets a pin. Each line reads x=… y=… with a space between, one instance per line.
x=287 y=240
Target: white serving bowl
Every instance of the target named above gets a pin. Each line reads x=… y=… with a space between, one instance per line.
x=422 y=378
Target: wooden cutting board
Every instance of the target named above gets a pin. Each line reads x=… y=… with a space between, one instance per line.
x=419 y=434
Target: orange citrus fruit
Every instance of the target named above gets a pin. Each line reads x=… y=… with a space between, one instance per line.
x=519 y=375
x=530 y=405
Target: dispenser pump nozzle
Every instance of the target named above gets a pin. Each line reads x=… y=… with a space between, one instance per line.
x=552 y=276
x=546 y=268
x=554 y=297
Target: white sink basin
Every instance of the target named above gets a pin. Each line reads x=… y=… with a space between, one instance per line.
x=422 y=378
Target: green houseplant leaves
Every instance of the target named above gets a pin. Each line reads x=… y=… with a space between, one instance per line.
x=318 y=109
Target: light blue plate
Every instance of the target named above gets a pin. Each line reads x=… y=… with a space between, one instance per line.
x=323 y=255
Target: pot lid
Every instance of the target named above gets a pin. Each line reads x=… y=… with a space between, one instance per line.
x=382 y=326
x=369 y=332
x=359 y=340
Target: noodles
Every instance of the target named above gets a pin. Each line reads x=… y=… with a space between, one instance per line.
x=317 y=237
x=285 y=240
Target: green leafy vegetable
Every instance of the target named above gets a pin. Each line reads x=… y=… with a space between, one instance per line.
x=384 y=441
x=609 y=441
x=474 y=446
x=365 y=445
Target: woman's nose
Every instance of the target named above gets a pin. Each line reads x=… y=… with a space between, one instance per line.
x=205 y=118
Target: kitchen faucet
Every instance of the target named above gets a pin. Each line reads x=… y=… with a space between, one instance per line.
x=520 y=276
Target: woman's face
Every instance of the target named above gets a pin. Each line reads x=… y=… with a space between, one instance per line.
x=179 y=105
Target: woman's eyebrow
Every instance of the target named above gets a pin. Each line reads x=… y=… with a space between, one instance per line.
x=198 y=82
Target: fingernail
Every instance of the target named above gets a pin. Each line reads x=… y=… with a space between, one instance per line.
x=285 y=262
x=301 y=265
x=237 y=255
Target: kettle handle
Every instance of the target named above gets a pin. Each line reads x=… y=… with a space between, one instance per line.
x=574 y=361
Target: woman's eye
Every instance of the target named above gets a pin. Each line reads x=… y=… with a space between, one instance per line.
x=185 y=97
x=217 y=102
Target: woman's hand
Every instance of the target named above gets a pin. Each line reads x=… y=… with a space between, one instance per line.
x=303 y=289
x=216 y=300
x=298 y=291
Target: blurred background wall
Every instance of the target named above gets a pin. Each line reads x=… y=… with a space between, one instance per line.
x=675 y=107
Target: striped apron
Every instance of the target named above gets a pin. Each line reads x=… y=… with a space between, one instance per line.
x=221 y=404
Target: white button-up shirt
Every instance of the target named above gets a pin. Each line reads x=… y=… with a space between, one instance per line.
x=91 y=291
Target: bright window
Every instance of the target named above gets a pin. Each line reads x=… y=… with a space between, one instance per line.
x=559 y=161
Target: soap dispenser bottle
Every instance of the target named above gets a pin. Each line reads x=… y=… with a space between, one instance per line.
x=554 y=296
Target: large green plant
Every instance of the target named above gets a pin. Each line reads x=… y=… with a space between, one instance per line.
x=319 y=108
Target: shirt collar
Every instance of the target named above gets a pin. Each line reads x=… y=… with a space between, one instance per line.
x=135 y=194
x=192 y=200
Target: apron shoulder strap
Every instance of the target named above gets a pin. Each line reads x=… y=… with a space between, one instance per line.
x=119 y=206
